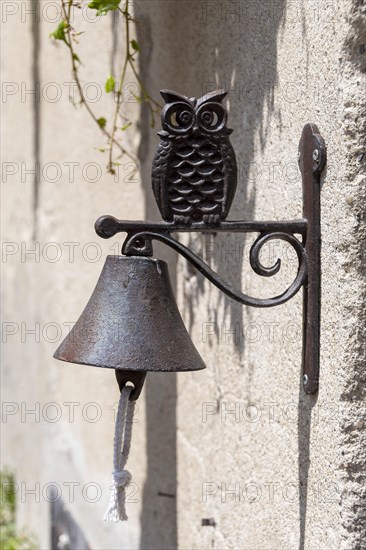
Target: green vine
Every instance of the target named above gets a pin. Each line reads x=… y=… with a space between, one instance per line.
x=11 y=538
x=67 y=34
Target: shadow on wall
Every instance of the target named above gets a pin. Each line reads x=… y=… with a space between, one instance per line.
x=65 y=532
x=194 y=47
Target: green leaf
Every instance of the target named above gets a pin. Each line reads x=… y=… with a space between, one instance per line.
x=59 y=33
x=102 y=121
x=104 y=6
x=76 y=57
x=126 y=126
x=11 y=538
x=135 y=45
x=109 y=85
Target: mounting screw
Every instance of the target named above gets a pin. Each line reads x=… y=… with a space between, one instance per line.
x=306 y=379
x=316 y=155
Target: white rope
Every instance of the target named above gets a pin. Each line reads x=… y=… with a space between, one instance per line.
x=122 y=442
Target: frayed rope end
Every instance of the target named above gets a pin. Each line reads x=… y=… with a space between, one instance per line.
x=122 y=442
x=117 y=505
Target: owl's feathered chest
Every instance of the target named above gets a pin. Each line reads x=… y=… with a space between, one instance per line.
x=195 y=176
x=196 y=161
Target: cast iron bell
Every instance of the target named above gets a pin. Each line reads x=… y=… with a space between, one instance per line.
x=132 y=324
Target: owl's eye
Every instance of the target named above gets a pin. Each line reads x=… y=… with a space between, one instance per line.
x=209 y=118
x=183 y=118
x=177 y=118
x=212 y=117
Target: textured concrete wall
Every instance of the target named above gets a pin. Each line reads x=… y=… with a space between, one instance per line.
x=47 y=291
x=268 y=466
x=235 y=456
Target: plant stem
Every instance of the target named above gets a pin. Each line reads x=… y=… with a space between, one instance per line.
x=120 y=87
x=83 y=100
x=129 y=61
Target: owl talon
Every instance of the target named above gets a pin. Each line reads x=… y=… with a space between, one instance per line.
x=211 y=219
x=182 y=221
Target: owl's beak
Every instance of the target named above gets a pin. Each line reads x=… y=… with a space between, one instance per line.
x=163 y=134
x=195 y=130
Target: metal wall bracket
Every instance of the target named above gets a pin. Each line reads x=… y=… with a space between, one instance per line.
x=194 y=180
x=312 y=160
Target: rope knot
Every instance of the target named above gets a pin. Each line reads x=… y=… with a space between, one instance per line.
x=122 y=478
x=122 y=441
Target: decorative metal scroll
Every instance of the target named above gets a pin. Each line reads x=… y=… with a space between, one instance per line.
x=139 y=242
x=194 y=178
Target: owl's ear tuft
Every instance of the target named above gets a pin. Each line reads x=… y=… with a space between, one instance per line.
x=171 y=97
x=216 y=96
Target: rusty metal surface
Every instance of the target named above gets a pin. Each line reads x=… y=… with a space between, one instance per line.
x=194 y=182
x=137 y=378
x=194 y=178
x=131 y=322
x=194 y=172
x=255 y=263
x=108 y=226
x=312 y=159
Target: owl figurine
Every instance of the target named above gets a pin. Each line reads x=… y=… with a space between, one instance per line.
x=194 y=171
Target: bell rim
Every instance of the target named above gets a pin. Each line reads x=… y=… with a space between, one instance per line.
x=64 y=360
